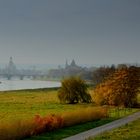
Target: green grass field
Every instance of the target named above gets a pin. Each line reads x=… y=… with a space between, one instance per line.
x=25 y=104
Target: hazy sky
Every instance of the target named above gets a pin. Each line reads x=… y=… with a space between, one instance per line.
x=51 y=31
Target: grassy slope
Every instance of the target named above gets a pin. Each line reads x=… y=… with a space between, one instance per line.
x=127 y=132
x=27 y=103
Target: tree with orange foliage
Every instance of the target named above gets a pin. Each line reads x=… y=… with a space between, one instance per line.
x=120 y=89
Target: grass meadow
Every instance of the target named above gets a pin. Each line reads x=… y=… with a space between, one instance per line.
x=18 y=111
x=19 y=108
x=23 y=104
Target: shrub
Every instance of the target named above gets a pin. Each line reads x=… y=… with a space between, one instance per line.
x=16 y=130
x=74 y=90
x=23 y=129
x=48 y=123
x=86 y=115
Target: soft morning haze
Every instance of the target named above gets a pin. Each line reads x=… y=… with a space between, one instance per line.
x=51 y=31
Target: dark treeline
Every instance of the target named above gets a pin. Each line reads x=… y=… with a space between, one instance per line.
x=104 y=72
x=94 y=75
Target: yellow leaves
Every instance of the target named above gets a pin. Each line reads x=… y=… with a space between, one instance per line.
x=120 y=89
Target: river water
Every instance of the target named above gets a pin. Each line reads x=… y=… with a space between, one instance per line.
x=6 y=85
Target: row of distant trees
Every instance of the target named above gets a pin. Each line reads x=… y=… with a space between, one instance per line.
x=94 y=74
x=113 y=86
x=102 y=73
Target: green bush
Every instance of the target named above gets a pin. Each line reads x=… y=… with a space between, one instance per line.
x=74 y=90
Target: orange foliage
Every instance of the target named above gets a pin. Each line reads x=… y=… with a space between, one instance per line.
x=48 y=123
x=22 y=129
x=120 y=89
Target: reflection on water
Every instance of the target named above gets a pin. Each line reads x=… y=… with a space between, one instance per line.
x=26 y=84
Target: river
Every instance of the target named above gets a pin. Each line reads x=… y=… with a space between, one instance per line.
x=6 y=85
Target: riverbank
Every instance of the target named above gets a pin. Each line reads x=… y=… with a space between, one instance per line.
x=32 y=90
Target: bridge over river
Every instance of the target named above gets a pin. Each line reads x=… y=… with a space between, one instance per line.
x=21 y=76
x=11 y=71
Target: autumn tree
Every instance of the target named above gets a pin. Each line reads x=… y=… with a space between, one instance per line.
x=74 y=90
x=120 y=89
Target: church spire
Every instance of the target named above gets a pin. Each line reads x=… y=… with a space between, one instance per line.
x=11 y=60
x=11 y=66
x=66 y=65
x=73 y=63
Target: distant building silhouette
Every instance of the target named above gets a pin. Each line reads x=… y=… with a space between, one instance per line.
x=71 y=69
x=72 y=65
x=11 y=68
x=11 y=71
x=66 y=65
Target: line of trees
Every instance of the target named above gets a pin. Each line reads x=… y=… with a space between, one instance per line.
x=102 y=73
x=113 y=86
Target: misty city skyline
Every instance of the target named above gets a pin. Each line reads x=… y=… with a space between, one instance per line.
x=94 y=32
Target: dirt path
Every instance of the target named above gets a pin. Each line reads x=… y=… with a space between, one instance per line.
x=95 y=131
